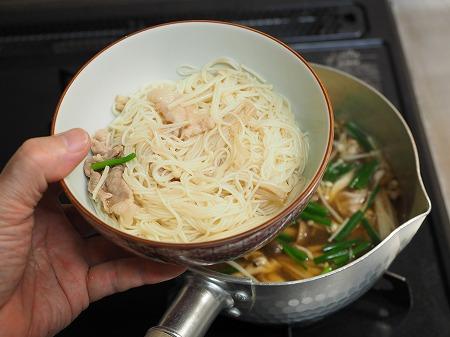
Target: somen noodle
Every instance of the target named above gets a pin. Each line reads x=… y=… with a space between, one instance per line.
x=217 y=153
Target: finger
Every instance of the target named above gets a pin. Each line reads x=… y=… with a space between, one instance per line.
x=120 y=275
x=83 y=227
x=38 y=161
x=99 y=250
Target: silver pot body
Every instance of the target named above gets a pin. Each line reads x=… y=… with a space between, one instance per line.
x=207 y=293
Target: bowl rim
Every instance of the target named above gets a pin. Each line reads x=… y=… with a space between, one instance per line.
x=219 y=242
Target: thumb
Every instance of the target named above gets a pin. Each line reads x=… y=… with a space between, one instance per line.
x=36 y=163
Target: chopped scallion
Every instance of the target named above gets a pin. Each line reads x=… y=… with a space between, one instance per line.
x=364 y=174
x=295 y=254
x=351 y=223
x=112 y=162
x=370 y=231
x=316 y=218
x=361 y=248
x=326 y=269
x=336 y=246
x=341 y=260
x=359 y=135
x=285 y=237
x=330 y=256
x=316 y=208
x=337 y=169
x=371 y=198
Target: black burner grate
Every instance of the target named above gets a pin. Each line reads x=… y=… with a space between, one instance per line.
x=293 y=24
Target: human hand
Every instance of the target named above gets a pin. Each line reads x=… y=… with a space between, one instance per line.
x=48 y=272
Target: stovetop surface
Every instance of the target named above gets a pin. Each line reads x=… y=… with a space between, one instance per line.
x=39 y=57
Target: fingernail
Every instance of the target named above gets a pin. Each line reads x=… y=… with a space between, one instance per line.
x=76 y=140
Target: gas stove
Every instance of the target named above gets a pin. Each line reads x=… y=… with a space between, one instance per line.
x=43 y=43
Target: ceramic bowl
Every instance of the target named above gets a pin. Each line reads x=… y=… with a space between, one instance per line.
x=154 y=54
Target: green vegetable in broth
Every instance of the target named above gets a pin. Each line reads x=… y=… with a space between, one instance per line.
x=316 y=208
x=336 y=246
x=371 y=231
x=338 y=225
x=337 y=169
x=285 y=237
x=364 y=174
x=296 y=254
x=359 y=135
x=316 y=218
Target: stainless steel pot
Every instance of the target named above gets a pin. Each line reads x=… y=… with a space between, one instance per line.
x=205 y=293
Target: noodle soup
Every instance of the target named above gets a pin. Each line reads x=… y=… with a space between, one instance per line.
x=351 y=212
x=203 y=158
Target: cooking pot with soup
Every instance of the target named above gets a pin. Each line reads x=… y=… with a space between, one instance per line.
x=277 y=296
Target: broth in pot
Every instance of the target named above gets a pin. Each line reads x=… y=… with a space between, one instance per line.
x=350 y=213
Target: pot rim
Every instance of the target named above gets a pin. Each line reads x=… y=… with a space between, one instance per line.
x=228 y=278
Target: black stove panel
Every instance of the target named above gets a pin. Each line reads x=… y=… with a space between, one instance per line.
x=367 y=60
x=292 y=21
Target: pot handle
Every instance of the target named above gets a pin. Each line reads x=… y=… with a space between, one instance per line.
x=196 y=306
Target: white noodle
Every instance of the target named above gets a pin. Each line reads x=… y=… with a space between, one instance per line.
x=242 y=270
x=331 y=238
x=100 y=183
x=306 y=250
x=223 y=181
x=333 y=212
x=350 y=157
